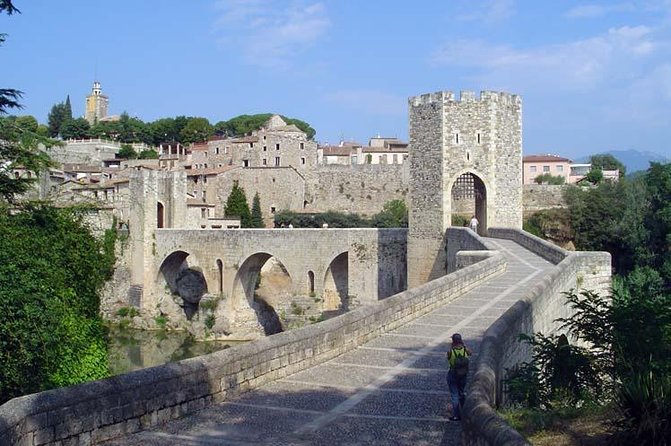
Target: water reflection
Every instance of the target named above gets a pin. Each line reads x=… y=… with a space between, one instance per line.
x=138 y=349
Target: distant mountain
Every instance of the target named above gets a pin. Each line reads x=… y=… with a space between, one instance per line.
x=633 y=160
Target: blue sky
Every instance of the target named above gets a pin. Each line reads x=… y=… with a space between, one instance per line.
x=594 y=76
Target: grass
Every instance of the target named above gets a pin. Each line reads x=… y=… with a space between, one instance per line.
x=567 y=426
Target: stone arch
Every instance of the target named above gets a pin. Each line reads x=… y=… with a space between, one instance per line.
x=160 y=215
x=336 y=280
x=468 y=197
x=245 y=285
x=183 y=280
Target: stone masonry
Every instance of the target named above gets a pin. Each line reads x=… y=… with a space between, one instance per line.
x=449 y=138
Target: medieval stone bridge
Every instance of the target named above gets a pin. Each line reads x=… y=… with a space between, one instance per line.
x=345 y=267
x=374 y=375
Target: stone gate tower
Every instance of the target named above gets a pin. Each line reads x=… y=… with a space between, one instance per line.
x=469 y=148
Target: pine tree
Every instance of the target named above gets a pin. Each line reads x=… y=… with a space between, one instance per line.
x=237 y=206
x=257 y=215
x=67 y=112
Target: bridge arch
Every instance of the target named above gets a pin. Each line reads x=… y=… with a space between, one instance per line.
x=336 y=280
x=183 y=279
x=468 y=197
x=249 y=290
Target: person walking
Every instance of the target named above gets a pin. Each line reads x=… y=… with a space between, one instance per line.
x=458 y=358
x=474 y=224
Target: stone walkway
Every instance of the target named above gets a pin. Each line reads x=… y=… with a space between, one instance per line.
x=390 y=391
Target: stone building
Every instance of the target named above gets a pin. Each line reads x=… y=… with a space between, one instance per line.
x=275 y=144
x=96 y=104
x=467 y=148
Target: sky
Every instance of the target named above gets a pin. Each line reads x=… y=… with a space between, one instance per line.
x=593 y=75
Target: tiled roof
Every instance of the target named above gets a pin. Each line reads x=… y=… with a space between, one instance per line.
x=545 y=159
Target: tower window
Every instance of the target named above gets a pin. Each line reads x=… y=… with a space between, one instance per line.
x=302 y=145
x=277 y=161
x=245 y=163
x=456 y=138
x=478 y=138
x=277 y=146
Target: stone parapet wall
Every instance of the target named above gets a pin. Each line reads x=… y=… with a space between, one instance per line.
x=93 y=412
x=500 y=348
x=549 y=251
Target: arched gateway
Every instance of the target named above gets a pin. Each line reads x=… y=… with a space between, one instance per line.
x=465 y=158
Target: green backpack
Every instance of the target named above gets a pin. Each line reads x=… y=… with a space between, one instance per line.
x=461 y=362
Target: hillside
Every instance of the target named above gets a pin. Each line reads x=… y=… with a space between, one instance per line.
x=634 y=160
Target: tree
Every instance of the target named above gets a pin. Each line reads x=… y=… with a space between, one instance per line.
x=244 y=124
x=148 y=154
x=164 y=130
x=75 y=129
x=51 y=269
x=257 y=215
x=56 y=118
x=606 y=161
x=394 y=215
x=196 y=130
x=237 y=206
x=548 y=178
x=67 y=110
x=594 y=176
x=127 y=152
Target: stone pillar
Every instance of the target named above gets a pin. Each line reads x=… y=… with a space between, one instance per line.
x=143 y=199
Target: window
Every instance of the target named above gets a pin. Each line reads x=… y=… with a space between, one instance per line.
x=479 y=138
x=245 y=163
x=303 y=160
x=546 y=168
x=265 y=148
x=456 y=138
x=251 y=145
x=264 y=137
x=277 y=146
x=216 y=150
x=205 y=179
x=560 y=168
x=277 y=161
x=532 y=169
x=302 y=145
x=264 y=162
x=272 y=209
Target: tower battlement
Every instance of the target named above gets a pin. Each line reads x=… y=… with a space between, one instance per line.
x=464 y=96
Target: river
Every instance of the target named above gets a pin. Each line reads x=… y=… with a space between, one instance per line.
x=130 y=350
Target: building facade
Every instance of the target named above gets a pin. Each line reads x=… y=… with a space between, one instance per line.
x=96 y=104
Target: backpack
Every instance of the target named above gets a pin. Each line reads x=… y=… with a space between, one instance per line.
x=461 y=361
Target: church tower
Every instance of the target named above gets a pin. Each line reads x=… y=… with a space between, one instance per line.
x=96 y=104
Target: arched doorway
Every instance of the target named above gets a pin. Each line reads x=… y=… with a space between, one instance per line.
x=220 y=276
x=311 y=283
x=336 y=284
x=160 y=215
x=469 y=198
x=264 y=284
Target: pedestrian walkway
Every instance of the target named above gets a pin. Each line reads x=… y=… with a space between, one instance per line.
x=390 y=391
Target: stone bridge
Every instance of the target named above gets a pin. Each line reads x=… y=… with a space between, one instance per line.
x=343 y=268
x=375 y=375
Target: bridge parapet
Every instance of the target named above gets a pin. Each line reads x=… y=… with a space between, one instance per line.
x=536 y=312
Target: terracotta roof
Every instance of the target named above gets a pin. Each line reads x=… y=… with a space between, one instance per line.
x=545 y=159
x=338 y=151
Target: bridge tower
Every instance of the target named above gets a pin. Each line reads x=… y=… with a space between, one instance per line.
x=461 y=149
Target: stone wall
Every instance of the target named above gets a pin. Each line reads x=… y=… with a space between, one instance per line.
x=96 y=411
x=536 y=312
x=537 y=197
x=88 y=152
x=360 y=188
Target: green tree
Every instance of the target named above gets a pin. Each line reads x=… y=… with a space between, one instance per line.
x=237 y=206
x=257 y=215
x=394 y=215
x=548 y=178
x=594 y=176
x=51 y=270
x=67 y=110
x=56 y=118
x=75 y=129
x=127 y=152
x=196 y=130
x=148 y=154
x=244 y=124
x=606 y=161
x=164 y=130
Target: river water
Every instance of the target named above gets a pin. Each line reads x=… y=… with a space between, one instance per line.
x=130 y=350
